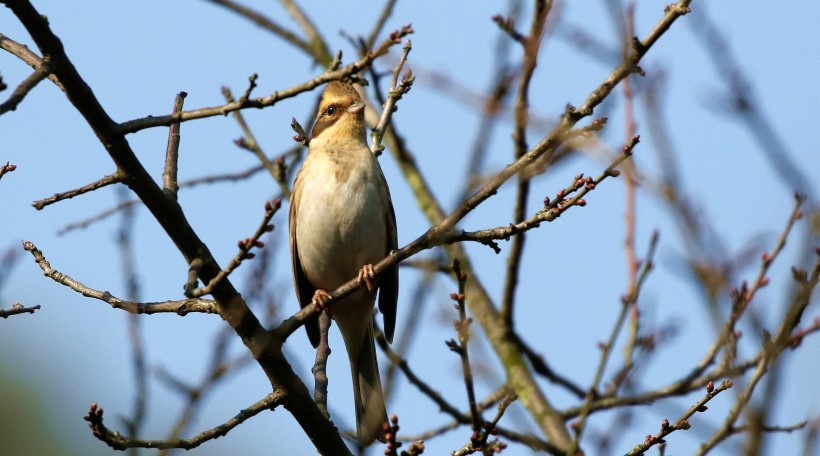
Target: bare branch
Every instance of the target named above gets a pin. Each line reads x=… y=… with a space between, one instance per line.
x=40 y=73
x=132 y=126
x=182 y=307
x=118 y=441
x=245 y=247
x=169 y=173
x=397 y=90
x=17 y=309
x=683 y=421
x=105 y=181
x=7 y=168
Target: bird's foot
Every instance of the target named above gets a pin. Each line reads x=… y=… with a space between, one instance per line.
x=320 y=297
x=366 y=275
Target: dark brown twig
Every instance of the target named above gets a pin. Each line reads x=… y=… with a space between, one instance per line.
x=245 y=247
x=17 y=309
x=7 y=168
x=118 y=441
x=105 y=181
x=40 y=73
x=133 y=126
x=169 y=173
x=683 y=422
x=462 y=326
x=532 y=43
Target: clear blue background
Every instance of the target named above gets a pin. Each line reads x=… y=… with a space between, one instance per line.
x=137 y=56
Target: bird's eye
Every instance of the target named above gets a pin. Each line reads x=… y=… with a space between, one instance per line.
x=330 y=110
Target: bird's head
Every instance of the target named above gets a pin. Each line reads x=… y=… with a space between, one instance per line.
x=341 y=111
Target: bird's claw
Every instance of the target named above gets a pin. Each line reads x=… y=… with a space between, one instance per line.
x=366 y=275
x=320 y=297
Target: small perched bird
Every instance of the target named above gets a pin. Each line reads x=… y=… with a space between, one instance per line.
x=341 y=223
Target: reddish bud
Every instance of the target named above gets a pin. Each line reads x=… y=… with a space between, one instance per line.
x=665 y=424
x=581 y=202
x=710 y=387
x=764 y=281
x=269 y=228
x=560 y=194
x=454 y=296
x=590 y=186
x=684 y=424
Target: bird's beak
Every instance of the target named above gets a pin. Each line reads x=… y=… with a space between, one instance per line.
x=356 y=107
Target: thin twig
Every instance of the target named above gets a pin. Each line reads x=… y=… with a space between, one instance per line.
x=606 y=348
x=17 y=309
x=266 y=23
x=772 y=347
x=133 y=126
x=40 y=73
x=190 y=183
x=462 y=326
x=105 y=181
x=118 y=441
x=7 y=168
x=385 y=14
x=22 y=52
x=245 y=247
x=552 y=208
x=125 y=242
x=317 y=47
x=397 y=90
x=169 y=173
x=182 y=307
x=683 y=422
x=532 y=44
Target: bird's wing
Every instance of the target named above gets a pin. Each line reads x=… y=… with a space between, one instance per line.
x=304 y=289
x=389 y=283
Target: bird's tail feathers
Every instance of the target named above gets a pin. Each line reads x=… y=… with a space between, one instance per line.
x=371 y=413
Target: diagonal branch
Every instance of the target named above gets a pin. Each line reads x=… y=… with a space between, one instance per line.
x=17 y=309
x=57 y=197
x=133 y=126
x=182 y=307
x=118 y=441
x=230 y=304
x=40 y=73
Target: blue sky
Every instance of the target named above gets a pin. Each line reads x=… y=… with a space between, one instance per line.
x=137 y=56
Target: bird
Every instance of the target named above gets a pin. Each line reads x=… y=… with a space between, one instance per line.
x=342 y=222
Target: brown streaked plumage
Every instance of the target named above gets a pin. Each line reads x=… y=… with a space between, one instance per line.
x=342 y=222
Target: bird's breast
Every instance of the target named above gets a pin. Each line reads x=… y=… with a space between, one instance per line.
x=341 y=221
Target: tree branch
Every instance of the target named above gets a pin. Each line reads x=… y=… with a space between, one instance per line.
x=118 y=441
